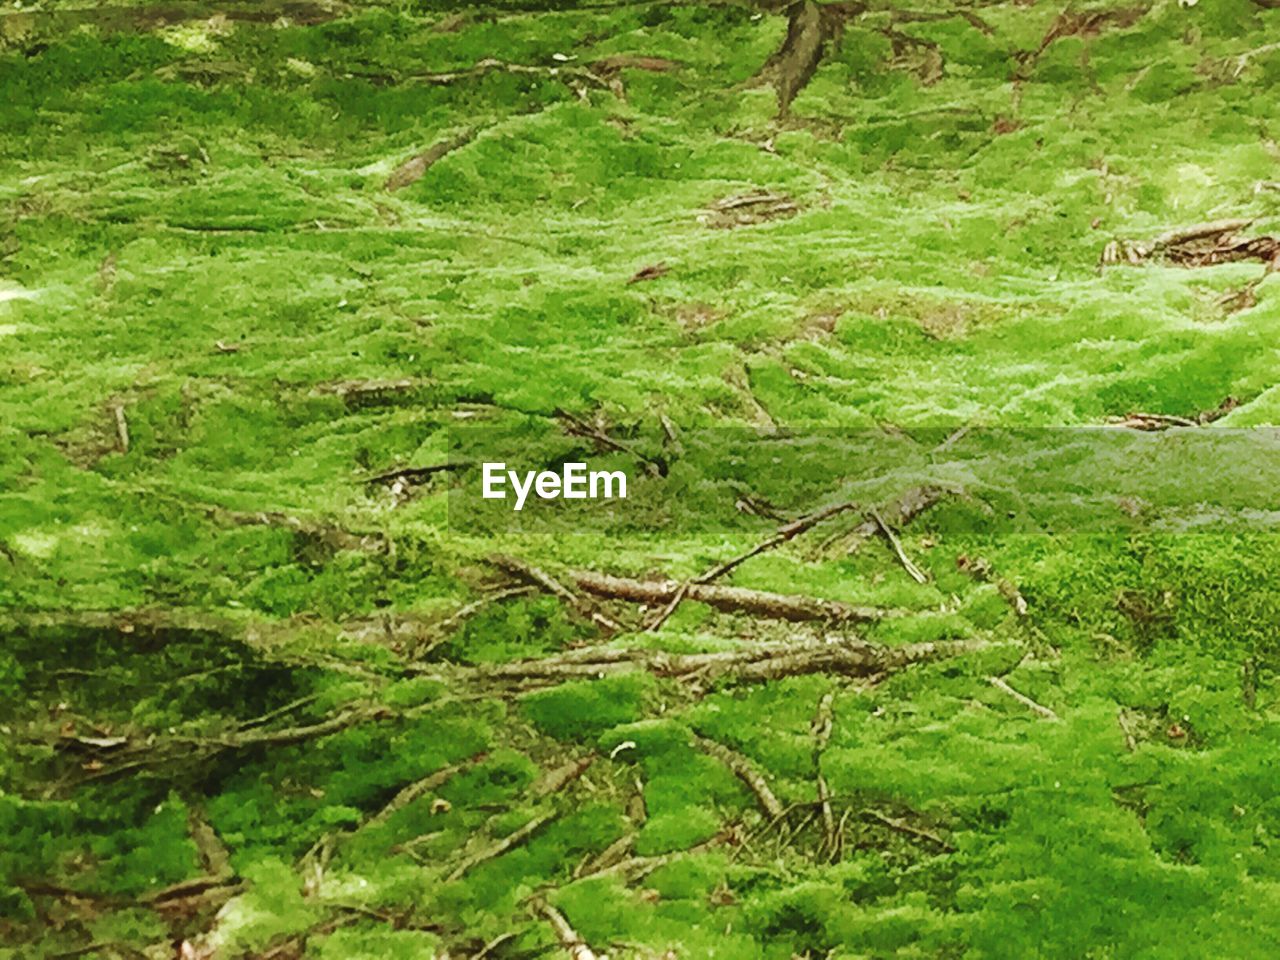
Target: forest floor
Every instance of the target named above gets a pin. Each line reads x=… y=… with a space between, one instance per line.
x=272 y=275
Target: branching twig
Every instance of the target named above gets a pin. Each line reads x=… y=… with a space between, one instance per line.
x=540 y=578
x=784 y=533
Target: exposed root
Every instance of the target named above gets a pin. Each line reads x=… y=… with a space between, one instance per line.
x=1079 y=24
x=793 y=65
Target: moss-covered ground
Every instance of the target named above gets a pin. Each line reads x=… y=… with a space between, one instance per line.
x=226 y=648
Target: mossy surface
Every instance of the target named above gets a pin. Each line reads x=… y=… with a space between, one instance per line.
x=197 y=246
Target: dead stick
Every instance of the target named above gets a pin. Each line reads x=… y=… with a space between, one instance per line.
x=122 y=427
x=419 y=788
x=1002 y=685
x=553 y=781
x=540 y=578
x=496 y=850
x=444 y=626
x=762 y=603
x=784 y=533
x=823 y=725
x=1130 y=741
x=568 y=937
x=751 y=664
x=916 y=573
x=893 y=823
x=744 y=771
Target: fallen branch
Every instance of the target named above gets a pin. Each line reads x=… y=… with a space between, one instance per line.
x=492 y=65
x=443 y=628
x=1130 y=740
x=537 y=577
x=412 y=474
x=754 y=664
x=576 y=426
x=553 y=781
x=610 y=856
x=777 y=606
x=613 y=863
x=786 y=532
x=420 y=788
x=413 y=169
x=744 y=771
x=899 y=512
x=745 y=209
x=1003 y=686
x=152 y=752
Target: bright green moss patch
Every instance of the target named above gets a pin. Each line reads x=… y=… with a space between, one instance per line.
x=264 y=690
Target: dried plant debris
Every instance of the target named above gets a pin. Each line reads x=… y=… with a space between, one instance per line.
x=1200 y=245
x=745 y=209
x=1151 y=422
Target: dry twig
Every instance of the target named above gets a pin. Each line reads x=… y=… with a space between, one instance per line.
x=1003 y=686
x=744 y=770
x=568 y=937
